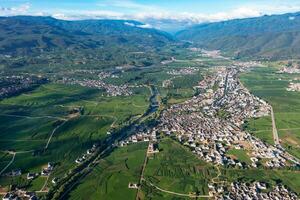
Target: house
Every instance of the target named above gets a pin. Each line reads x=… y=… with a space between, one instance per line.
x=31 y=176
x=79 y=160
x=133 y=186
x=90 y=151
x=54 y=180
x=45 y=172
x=16 y=172
x=9 y=196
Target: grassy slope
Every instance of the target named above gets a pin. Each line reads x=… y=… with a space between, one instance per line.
x=175 y=169
x=109 y=180
x=265 y=83
x=270 y=36
x=70 y=140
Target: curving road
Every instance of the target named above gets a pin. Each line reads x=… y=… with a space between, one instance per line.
x=180 y=194
x=12 y=160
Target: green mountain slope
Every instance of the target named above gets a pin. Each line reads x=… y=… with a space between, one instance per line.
x=25 y=35
x=37 y=42
x=270 y=37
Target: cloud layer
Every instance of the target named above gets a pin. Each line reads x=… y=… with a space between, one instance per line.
x=150 y=13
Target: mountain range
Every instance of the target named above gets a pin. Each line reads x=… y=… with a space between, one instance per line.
x=27 y=34
x=266 y=37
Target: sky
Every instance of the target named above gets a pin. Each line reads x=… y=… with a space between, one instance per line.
x=155 y=12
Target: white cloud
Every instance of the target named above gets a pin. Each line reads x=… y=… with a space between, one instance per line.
x=292 y=18
x=86 y=14
x=138 y=25
x=129 y=24
x=145 y=26
x=127 y=4
x=152 y=15
x=19 y=10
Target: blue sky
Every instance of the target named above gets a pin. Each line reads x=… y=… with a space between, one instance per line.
x=188 y=11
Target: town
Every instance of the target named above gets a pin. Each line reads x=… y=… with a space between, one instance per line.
x=211 y=124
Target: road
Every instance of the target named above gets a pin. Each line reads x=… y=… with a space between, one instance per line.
x=142 y=173
x=54 y=130
x=170 y=192
x=274 y=129
x=180 y=194
x=31 y=117
x=104 y=150
x=12 y=160
x=276 y=140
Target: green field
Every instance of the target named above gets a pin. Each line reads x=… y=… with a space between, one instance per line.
x=176 y=169
x=240 y=154
x=271 y=86
x=110 y=178
x=28 y=120
x=261 y=128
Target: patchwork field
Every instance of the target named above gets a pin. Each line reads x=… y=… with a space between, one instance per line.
x=176 y=169
x=57 y=123
x=271 y=86
x=110 y=178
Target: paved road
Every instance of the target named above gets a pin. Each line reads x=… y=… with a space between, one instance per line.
x=275 y=132
x=276 y=140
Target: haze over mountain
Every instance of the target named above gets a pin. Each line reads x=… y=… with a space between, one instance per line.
x=266 y=37
x=25 y=34
x=273 y=37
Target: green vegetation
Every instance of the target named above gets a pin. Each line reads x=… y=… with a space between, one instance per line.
x=49 y=44
x=176 y=169
x=28 y=120
x=289 y=178
x=261 y=128
x=222 y=114
x=239 y=154
x=266 y=37
x=271 y=86
x=110 y=178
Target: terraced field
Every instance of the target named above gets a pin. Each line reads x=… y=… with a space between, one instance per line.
x=57 y=123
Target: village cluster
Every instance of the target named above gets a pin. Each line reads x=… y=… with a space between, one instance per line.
x=111 y=90
x=86 y=155
x=294 y=87
x=12 y=85
x=183 y=71
x=255 y=190
x=211 y=123
x=31 y=175
x=295 y=69
x=20 y=194
x=148 y=136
